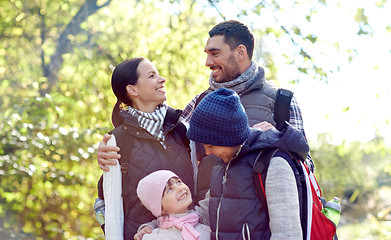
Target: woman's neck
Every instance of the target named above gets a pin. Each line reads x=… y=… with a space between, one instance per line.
x=147 y=108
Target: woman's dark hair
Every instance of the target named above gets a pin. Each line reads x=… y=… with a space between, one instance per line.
x=123 y=75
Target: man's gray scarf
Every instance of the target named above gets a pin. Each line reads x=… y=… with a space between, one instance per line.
x=241 y=83
x=152 y=122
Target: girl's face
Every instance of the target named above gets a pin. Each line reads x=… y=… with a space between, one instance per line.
x=149 y=90
x=176 y=197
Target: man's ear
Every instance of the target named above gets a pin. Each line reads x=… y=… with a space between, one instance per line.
x=132 y=90
x=241 y=52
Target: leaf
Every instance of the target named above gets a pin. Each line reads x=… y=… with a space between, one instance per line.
x=360 y=16
x=313 y=38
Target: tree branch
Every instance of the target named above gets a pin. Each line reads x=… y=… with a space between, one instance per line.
x=43 y=39
x=64 y=45
x=213 y=4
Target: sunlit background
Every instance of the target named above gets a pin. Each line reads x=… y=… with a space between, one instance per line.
x=56 y=60
x=352 y=103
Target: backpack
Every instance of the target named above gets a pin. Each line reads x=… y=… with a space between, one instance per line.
x=315 y=225
x=281 y=107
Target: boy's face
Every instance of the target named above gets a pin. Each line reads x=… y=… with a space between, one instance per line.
x=176 y=197
x=225 y=153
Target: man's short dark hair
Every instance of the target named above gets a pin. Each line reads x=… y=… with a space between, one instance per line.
x=235 y=33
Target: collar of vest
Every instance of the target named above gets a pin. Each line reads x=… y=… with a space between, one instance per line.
x=171 y=119
x=130 y=123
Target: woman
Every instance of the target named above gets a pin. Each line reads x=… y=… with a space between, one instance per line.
x=150 y=137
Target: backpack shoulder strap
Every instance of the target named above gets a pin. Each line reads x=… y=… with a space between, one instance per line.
x=281 y=107
x=179 y=131
x=202 y=95
x=125 y=150
x=125 y=143
x=260 y=168
x=261 y=165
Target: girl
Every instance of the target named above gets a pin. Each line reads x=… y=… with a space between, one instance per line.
x=168 y=198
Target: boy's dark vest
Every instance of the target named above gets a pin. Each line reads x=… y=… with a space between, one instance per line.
x=237 y=191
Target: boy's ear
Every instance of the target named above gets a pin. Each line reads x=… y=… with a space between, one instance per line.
x=132 y=90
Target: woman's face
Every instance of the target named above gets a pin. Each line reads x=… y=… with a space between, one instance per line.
x=176 y=197
x=149 y=89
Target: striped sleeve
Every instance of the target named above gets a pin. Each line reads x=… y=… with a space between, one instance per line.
x=188 y=110
x=296 y=120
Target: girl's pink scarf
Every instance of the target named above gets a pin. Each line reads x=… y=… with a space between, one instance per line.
x=185 y=223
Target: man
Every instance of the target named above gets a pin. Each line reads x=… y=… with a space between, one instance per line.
x=229 y=51
x=235 y=211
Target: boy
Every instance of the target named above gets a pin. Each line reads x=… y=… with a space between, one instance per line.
x=235 y=211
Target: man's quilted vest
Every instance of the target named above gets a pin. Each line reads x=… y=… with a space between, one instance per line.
x=258 y=101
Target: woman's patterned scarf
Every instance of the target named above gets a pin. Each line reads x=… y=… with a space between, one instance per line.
x=152 y=122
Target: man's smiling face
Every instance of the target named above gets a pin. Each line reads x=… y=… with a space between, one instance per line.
x=221 y=60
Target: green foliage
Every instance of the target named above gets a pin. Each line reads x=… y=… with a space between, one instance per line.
x=165 y=39
x=48 y=169
x=358 y=173
x=362 y=20
x=354 y=171
x=371 y=229
x=56 y=59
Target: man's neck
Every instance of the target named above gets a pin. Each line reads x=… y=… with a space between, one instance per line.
x=244 y=66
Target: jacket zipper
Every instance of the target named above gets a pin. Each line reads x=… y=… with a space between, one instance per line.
x=222 y=193
x=246 y=232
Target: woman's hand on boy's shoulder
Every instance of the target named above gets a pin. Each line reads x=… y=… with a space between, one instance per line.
x=263 y=126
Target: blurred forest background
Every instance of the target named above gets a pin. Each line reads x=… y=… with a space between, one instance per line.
x=56 y=60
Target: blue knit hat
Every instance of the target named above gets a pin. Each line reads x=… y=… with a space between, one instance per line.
x=219 y=120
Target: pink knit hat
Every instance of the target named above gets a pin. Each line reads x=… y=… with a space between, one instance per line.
x=150 y=190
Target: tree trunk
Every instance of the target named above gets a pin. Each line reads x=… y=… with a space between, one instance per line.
x=51 y=69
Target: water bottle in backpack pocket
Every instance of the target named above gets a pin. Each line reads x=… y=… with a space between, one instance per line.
x=332 y=210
